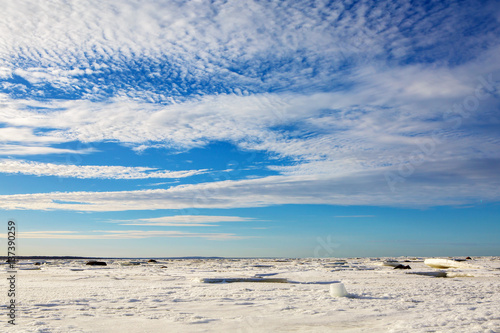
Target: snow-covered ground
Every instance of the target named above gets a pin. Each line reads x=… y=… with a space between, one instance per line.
x=169 y=296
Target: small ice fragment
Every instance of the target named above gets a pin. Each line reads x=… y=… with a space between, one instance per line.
x=441 y=263
x=338 y=290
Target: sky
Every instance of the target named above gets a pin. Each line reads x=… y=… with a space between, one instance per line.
x=250 y=128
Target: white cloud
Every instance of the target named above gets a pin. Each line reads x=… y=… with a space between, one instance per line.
x=55 y=76
x=231 y=46
x=184 y=220
x=365 y=131
x=183 y=125
x=432 y=184
x=366 y=103
x=5 y=72
x=26 y=135
x=10 y=150
x=385 y=110
x=356 y=216
x=368 y=123
x=89 y=171
x=123 y=234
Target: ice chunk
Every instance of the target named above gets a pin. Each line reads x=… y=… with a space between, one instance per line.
x=440 y=263
x=231 y=280
x=338 y=290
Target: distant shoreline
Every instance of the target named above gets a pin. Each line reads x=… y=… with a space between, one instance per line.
x=3 y=258
x=137 y=258
x=76 y=257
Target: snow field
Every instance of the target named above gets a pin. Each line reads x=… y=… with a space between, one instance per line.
x=149 y=298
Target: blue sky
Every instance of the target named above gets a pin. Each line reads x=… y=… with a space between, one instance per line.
x=248 y=128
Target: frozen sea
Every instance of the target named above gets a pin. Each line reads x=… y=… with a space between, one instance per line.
x=172 y=295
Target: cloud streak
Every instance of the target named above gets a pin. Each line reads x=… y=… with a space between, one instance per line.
x=184 y=221
x=123 y=234
x=23 y=150
x=89 y=171
x=434 y=184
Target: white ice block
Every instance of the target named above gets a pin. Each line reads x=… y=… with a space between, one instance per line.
x=338 y=290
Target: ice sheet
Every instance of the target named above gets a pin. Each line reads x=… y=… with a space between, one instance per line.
x=167 y=296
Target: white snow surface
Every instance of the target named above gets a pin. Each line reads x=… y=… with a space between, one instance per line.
x=68 y=296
